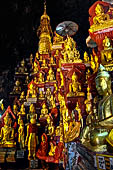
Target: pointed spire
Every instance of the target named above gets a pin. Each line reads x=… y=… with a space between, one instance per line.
x=45 y=7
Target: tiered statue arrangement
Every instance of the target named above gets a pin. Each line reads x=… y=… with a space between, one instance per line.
x=57 y=95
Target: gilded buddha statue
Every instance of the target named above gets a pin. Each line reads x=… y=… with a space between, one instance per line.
x=50 y=76
x=44 y=64
x=22 y=96
x=107 y=52
x=22 y=110
x=101 y=20
x=17 y=88
x=31 y=91
x=75 y=87
x=40 y=78
x=22 y=69
x=7 y=133
x=52 y=61
x=44 y=111
x=35 y=67
x=41 y=95
x=86 y=57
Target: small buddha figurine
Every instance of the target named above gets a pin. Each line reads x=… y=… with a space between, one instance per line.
x=86 y=57
x=75 y=87
x=32 y=137
x=31 y=59
x=88 y=74
x=22 y=69
x=41 y=78
x=48 y=94
x=22 y=110
x=15 y=109
x=78 y=109
x=44 y=64
x=7 y=133
x=32 y=91
x=107 y=52
x=100 y=17
x=35 y=67
x=21 y=135
x=52 y=61
x=50 y=76
x=32 y=109
x=52 y=148
x=41 y=95
x=27 y=80
x=43 y=148
x=22 y=96
x=77 y=56
x=17 y=88
x=44 y=111
x=50 y=126
x=37 y=56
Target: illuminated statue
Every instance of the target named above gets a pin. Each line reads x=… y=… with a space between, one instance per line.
x=50 y=126
x=52 y=61
x=32 y=137
x=17 y=88
x=107 y=52
x=22 y=96
x=22 y=69
x=75 y=87
x=7 y=133
x=22 y=110
x=41 y=78
x=50 y=76
x=32 y=91
x=44 y=111
x=86 y=57
x=44 y=64
x=41 y=95
x=21 y=134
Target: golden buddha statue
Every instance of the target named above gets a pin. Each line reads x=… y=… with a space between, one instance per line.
x=22 y=110
x=52 y=149
x=27 y=80
x=15 y=109
x=44 y=64
x=21 y=135
x=41 y=95
x=48 y=94
x=17 y=88
x=44 y=111
x=22 y=69
x=22 y=96
x=37 y=56
x=75 y=87
x=52 y=61
x=62 y=80
x=88 y=74
x=44 y=31
x=58 y=39
x=50 y=126
x=41 y=78
x=31 y=91
x=32 y=109
x=107 y=52
x=7 y=133
x=101 y=20
x=103 y=85
x=86 y=57
x=35 y=67
x=31 y=59
x=50 y=76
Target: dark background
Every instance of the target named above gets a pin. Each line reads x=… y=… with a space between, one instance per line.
x=19 y=20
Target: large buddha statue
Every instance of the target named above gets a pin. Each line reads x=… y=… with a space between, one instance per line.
x=50 y=76
x=105 y=106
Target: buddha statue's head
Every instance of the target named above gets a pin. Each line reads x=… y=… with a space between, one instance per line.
x=103 y=82
x=99 y=9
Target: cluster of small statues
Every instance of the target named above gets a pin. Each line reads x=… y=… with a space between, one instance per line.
x=49 y=85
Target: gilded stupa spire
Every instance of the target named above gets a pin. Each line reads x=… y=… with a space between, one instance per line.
x=44 y=32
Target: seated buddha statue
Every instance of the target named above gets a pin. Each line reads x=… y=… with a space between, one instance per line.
x=22 y=69
x=7 y=133
x=86 y=57
x=75 y=87
x=22 y=96
x=101 y=20
x=50 y=126
x=22 y=110
x=105 y=106
x=15 y=109
x=41 y=78
x=44 y=64
x=41 y=95
x=107 y=52
x=31 y=91
x=52 y=61
x=44 y=111
x=50 y=76
x=35 y=67
x=100 y=17
x=17 y=88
